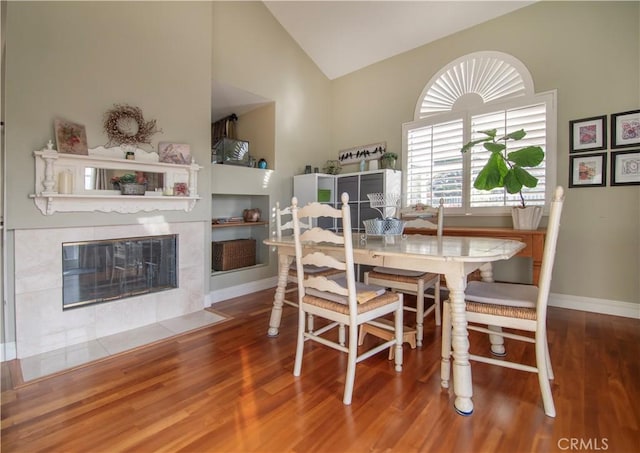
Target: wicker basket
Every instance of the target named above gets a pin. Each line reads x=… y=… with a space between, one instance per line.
x=227 y=255
x=381 y=227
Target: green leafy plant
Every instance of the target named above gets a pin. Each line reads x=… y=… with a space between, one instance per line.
x=506 y=171
x=389 y=155
x=127 y=179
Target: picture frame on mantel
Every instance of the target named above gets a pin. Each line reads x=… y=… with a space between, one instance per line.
x=588 y=170
x=625 y=129
x=588 y=134
x=71 y=138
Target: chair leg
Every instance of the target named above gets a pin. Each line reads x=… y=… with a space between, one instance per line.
x=310 y=323
x=436 y=301
x=399 y=330
x=351 y=366
x=543 y=376
x=546 y=347
x=341 y=335
x=497 y=342
x=297 y=367
x=362 y=333
x=445 y=364
x=420 y=312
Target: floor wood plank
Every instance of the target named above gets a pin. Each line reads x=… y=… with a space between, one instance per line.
x=230 y=388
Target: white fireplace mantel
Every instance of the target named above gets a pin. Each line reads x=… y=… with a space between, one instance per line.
x=50 y=165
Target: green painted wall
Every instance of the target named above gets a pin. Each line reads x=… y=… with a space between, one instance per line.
x=590 y=53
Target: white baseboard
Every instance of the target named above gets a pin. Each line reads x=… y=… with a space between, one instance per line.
x=8 y=351
x=590 y=304
x=218 y=295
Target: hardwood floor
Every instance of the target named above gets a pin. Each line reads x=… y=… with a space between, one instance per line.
x=230 y=388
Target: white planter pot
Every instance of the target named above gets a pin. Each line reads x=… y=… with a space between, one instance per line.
x=526 y=218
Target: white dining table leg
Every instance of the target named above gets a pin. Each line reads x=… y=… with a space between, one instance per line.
x=284 y=261
x=462 y=383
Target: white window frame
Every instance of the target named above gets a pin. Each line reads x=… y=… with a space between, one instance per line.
x=466 y=112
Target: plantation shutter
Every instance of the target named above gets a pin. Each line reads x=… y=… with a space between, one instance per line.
x=530 y=118
x=434 y=164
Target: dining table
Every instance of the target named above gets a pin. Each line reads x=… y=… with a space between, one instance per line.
x=455 y=257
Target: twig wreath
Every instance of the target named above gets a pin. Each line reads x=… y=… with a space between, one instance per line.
x=125 y=125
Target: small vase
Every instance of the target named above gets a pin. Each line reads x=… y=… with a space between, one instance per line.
x=526 y=218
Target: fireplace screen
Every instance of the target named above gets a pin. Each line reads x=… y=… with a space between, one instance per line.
x=102 y=271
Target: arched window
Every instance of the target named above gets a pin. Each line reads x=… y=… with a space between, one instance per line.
x=479 y=91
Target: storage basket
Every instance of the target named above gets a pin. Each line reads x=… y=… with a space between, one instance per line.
x=233 y=254
x=324 y=195
x=380 y=227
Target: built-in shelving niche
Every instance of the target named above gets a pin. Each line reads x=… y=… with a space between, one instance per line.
x=232 y=205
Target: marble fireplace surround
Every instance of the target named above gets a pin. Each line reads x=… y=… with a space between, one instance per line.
x=42 y=325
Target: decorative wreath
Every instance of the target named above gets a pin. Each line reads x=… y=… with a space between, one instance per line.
x=125 y=125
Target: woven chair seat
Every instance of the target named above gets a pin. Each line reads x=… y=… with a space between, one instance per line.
x=380 y=301
x=402 y=278
x=502 y=310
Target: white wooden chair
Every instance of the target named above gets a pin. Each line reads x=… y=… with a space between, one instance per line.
x=339 y=300
x=284 y=222
x=513 y=306
x=412 y=282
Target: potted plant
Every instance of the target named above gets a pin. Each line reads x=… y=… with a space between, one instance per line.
x=509 y=171
x=388 y=160
x=333 y=167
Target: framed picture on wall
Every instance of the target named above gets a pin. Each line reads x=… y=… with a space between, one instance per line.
x=364 y=152
x=174 y=153
x=625 y=167
x=625 y=129
x=71 y=138
x=588 y=134
x=588 y=170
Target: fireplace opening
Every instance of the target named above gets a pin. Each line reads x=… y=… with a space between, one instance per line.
x=106 y=270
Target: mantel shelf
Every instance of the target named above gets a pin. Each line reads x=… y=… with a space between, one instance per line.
x=124 y=204
x=51 y=196
x=237 y=224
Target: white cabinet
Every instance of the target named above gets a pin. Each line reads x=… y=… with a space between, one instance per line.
x=313 y=187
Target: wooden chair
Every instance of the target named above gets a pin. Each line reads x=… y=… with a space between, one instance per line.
x=339 y=300
x=284 y=222
x=513 y=306
x=411 y=282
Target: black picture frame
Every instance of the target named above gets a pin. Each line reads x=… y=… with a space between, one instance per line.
x=625 y=129
x=588 y=134
x=625 y=168
x=588 y=170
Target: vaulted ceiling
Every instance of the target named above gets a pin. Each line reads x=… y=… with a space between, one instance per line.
x=344 y=36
